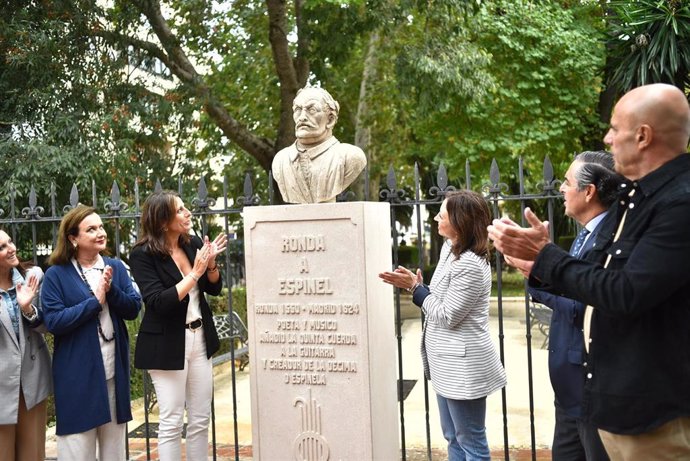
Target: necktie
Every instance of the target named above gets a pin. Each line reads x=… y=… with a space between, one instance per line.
x=579 y=240
x=305 y=166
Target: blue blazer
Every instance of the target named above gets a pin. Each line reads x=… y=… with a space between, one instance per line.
x=566 y=343
x=70 y=313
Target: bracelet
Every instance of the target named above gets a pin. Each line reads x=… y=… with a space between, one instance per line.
x=413 y=287
x=191 y=274
x=33 y=316
x=212 y=269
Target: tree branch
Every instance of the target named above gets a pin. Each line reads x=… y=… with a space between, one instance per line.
x=149 y=47
x=177 y=61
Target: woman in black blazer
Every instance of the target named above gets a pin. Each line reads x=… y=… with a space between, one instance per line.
x=177 y=336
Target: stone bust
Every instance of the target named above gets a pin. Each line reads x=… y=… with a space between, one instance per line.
x=316 y=167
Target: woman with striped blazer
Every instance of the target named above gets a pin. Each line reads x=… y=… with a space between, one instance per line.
x=458 y=355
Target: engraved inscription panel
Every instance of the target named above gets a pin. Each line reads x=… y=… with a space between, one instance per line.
x=310 y=334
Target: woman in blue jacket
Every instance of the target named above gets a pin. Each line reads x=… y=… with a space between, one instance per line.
x=86 y=298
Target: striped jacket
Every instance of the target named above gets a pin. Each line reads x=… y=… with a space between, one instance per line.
x=458 y=355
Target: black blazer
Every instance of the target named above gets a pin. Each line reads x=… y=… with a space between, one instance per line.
x=161 y=339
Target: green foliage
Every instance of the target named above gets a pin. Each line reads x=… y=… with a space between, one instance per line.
x=73 y=110
x=220 y=304
x=465 y=79
x=650 y=42
x=512 y=283
x=546 y=61
x=510 y=80
x=436 y=60
x=408 y=256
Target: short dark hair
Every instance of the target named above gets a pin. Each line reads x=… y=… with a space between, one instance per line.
x=469 y=216
x=597 y=169
x=156 y=213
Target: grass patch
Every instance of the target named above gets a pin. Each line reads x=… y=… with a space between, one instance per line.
x=512 y=283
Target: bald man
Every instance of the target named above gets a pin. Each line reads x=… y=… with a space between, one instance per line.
x=637 y=369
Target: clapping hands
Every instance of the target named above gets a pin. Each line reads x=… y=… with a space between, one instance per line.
x=402 y=277
x=26 y=292
x=517 y=242
x=206 y=255
x=104 y=284
x=215 y=248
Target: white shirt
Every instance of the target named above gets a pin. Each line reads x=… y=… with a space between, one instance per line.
x=93 y=275
x=193 y=309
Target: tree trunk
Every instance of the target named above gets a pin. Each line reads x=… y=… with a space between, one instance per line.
x=362 y=130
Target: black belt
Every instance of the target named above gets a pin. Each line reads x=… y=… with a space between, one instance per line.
x=195 y=325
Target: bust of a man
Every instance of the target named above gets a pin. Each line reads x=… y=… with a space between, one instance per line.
x=317 y=167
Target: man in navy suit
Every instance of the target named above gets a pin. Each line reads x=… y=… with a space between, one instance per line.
x=589 y=189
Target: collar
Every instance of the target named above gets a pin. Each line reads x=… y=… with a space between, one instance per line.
x=594 y=222
x=315 y=151
x=16 y=278
x=653 y=181
x=99 y=266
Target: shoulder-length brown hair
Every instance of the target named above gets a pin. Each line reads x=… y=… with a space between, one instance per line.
x=69 y=226
x=156 y=213
x=469 y=216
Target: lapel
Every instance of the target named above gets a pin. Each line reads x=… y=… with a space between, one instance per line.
x=169 y=266
x=7 y=322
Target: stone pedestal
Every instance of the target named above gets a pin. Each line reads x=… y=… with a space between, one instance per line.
x=321 y=332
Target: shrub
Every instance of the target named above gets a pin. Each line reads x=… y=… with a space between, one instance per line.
x=408 y=256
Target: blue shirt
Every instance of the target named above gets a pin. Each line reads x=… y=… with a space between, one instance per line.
x=9 y=299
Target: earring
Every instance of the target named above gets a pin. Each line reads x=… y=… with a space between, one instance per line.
x=165 y=229
x=75 y=244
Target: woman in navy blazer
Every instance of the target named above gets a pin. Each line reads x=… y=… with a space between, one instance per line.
x=86 y=298
x=177 y=336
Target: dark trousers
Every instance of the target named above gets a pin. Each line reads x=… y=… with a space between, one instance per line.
x=574 y=440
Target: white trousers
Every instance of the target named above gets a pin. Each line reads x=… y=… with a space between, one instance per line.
x=191 y=387
x=110 y=438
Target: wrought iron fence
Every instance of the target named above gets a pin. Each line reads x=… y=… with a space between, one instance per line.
x=34 y=228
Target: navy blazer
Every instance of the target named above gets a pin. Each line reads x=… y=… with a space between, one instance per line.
x=161 y=338
x=566 y=343
x=71 y=313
